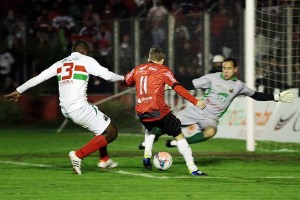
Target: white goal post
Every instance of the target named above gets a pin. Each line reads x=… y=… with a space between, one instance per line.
x=272 y=54
x=249 y=69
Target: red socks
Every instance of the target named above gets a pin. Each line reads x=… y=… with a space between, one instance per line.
x=98 y=142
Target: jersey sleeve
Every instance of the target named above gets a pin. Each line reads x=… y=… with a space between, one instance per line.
x=129 y=79
x=185 y=94
x=169 y=78
x=245 y=90
x=43 y=76
x=202 y=82
x=96 y=69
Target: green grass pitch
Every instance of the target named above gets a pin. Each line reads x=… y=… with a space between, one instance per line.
x=34 y=165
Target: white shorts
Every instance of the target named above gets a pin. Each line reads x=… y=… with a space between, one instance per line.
x=89 y=117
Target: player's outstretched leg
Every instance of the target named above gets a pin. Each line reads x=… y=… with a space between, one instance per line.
x=149 y=139
x=96 y=143
x=185 y=150
x=198 y=137
x=76 y=162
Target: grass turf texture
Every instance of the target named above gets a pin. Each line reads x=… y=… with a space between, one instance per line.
x=34 y=165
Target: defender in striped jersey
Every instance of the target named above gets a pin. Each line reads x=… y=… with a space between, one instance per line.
x=220 y=90
x=72 y=74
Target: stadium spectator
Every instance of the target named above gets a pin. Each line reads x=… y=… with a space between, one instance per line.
x=89 y=13
x=231 y=34
x=73 y=74
x=156 y=16
x=9 y=85
x=89 y=32
x=6 y=62
x=221 y=88
x=107 y=15
x=73 y=9
x=120 y=9
x=149 y=80
x=126 y=60
x=218 y=22
x=104 y=39
x=217 y=64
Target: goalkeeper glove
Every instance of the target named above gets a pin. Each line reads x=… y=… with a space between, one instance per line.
x=285 y=96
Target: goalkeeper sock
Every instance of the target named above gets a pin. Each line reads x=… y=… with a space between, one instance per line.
x=186 y=151
x=96 y=143
x=198 y=137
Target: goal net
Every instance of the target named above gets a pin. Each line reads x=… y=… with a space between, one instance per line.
x=277 y=56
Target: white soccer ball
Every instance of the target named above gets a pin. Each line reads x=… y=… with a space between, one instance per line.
x=162 y=160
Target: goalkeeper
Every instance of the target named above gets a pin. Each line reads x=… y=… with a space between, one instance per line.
x=220 y=90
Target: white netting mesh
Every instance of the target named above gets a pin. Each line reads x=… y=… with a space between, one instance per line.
x=277 y=53
x=277 y=45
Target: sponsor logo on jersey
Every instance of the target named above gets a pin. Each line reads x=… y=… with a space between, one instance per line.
x=153 y=69
x=142 y=68
x=66 y=82
x=141 y=100
x=283 y=121
x=105 y=117
x=168 y=74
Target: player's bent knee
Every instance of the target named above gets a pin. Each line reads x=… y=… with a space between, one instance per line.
x=110 y=133
x=210 y=132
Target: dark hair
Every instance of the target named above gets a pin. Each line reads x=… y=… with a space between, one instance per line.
x=234 y=62
x=80 y=44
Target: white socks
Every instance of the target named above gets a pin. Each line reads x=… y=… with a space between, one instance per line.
x=186 y=151
x=149 y=139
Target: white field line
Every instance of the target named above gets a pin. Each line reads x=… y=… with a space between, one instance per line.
x=147 y=175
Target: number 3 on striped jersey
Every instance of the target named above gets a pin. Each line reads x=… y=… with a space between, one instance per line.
x=68 y=69
x=143 y=85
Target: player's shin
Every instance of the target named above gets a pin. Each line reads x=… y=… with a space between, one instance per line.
x=149 y=139
x=185 y=150
x=93 y=145
x=103 y=153
x=198 y=137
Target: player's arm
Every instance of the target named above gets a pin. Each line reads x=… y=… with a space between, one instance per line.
x=43 y=76
x=108 y=75
x=185 y=94
x=96 y=69
x=188 y=85
x=285 y=96
x=129 y=79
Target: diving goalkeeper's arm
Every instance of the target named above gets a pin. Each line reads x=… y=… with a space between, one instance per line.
x=285 y=96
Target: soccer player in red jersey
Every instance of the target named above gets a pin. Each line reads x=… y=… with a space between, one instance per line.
x=149 y=80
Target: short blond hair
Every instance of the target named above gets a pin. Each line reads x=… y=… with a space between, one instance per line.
x=156 y=54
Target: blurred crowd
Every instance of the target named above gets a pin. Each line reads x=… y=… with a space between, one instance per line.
x=36 y=33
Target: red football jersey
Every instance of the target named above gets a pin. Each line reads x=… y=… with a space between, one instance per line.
x=149 y=80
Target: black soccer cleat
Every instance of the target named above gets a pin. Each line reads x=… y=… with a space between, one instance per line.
x=168 y=144
x=198 y=173
x=147 y=163
x=141 y=145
